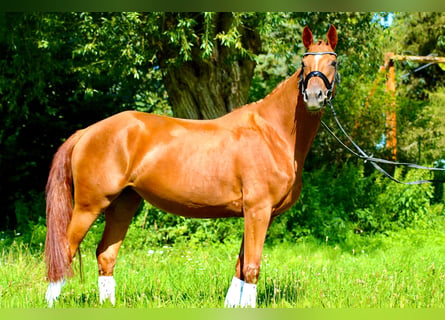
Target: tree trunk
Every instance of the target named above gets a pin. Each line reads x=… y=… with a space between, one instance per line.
x=209 y=88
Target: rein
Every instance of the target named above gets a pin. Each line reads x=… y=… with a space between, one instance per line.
x=367 y=158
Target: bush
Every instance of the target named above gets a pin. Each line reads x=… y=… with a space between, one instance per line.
x=153 y=227
x=403 y=206
x=30 y=213
x=336 y=202
x=328 y=202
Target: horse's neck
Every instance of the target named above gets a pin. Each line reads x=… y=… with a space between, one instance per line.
x=307 y=125
x=285 y=110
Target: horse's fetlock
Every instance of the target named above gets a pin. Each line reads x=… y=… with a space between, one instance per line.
x=251 y=273
x=106 y=264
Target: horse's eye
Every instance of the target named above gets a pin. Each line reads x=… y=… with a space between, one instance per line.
x=334 y=63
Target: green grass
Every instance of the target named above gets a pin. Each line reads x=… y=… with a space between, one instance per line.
x=400 y=270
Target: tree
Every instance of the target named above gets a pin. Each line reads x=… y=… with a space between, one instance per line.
x=206 y=59
x=420 y=96
x=58 y=75
x=421 y=34
x=214 y=72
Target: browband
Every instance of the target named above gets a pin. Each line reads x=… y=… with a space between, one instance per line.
x=318 y=53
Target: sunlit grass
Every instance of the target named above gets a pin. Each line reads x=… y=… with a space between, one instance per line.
x=405 y=270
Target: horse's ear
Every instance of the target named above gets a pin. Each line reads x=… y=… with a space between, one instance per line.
x=332 y=37
x=308 y=38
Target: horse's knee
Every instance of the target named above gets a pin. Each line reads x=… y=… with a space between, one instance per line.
x=251 y=273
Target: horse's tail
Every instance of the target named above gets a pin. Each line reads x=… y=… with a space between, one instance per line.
x=59 y=209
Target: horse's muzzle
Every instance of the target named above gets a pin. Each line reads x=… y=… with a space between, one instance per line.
x=315 y=99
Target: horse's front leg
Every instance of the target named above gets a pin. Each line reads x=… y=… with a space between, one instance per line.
x=233 y=297
x=242 y=291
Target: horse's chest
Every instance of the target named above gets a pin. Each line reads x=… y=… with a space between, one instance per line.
x=291 y=192
x=288 y=199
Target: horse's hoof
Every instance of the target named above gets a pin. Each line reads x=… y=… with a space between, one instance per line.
x=233 y=296
x=248 y=297
x=53 y=292
x=107 y=287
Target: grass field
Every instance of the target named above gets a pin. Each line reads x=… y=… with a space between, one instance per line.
x=399 y=270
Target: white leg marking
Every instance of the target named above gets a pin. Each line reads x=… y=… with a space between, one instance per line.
x=233 y=297
x=106 y=289
x=248 y=297
x=53 y=291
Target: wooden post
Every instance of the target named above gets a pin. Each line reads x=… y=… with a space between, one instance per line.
x=391 y=116
x=421 y=59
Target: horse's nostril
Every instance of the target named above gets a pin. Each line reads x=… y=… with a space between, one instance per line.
x=320 y=94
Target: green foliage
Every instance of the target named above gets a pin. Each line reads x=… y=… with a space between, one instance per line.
x=327 y=204
x=337 y=202
x=420 y=33
x=177 y=35
x=30 y=223
x=153 y=227
x=419 y=86
x=61 y=72
x=423 y=132
x=405 y=205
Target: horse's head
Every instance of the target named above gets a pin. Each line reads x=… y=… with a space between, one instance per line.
x=318 y=70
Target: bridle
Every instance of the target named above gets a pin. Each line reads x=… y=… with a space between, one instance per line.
x=329 y=85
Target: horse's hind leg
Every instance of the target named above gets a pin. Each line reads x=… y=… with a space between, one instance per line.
x=80 y=223
x=117 y=219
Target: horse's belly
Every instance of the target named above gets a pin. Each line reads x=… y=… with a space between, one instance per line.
x=193 y=206
x=201 y=183
x=192 y=195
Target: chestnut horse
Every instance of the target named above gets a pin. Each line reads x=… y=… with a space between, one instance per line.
x=247 y=163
